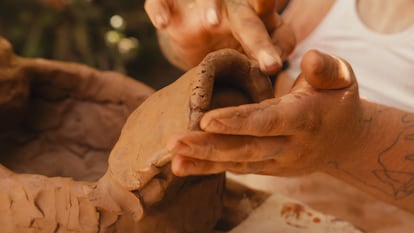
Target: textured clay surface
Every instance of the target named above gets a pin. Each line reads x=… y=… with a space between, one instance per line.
x=59 y=122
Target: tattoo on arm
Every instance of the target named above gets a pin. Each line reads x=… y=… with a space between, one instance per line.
x=395 y=171
x=397 y=168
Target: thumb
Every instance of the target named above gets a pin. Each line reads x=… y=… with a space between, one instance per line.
x=323 y=71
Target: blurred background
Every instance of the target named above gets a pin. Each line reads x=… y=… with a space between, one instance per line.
x=105 y=34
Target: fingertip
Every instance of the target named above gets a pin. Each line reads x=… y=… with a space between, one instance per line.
x=172 y=143
x=175 y=142
x=269 y=62
x=210 y=124
x=314 y=62
x=159 y=12
x=210 y=12
x=253 y=35
x=325 y=71
x=230 y=120
x=179 y=165
x=176 y=164
x=212 y=17
x=161 y=20
x=205 y=122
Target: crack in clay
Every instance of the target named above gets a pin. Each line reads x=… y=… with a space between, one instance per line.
x=138 y=163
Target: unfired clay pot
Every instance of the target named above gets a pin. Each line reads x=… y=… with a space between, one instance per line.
x=60 y=120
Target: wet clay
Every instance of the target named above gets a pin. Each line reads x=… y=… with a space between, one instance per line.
x=60 y=121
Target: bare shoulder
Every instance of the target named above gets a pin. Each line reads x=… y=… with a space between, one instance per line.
x=304 y=15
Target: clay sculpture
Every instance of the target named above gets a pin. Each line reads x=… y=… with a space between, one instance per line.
x=55 y=114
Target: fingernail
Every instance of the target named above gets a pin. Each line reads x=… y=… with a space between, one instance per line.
x=267 y=61
x=212 y=17
x=213 y=125
x=161 y=21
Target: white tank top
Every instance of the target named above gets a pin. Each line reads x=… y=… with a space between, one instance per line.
x=382 y=63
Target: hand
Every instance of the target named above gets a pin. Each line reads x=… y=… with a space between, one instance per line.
x=190 y=29
x=291 y=135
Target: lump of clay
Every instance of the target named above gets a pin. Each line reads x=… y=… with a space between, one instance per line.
x=53 y=115
x=58 y=124
x=140 y=162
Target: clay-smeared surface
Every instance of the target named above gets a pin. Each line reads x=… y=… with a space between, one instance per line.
x=140 y=162
x=60 y=121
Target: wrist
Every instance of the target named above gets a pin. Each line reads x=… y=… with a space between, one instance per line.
x=350 y=138
x=379 y=164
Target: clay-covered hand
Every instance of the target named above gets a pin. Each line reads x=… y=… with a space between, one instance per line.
x=190 y=29
x=291 y=135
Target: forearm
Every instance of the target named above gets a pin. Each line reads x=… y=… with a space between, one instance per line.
x=383 y=162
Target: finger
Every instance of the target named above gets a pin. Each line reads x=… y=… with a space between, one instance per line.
x=252 y=34
x=283 y=37
x=263 y=7
x=183 y=166
x=210 y=10
x=274 y=117
x=324 y=71
x=226 y=148
x=159 y=12
x=6 y=52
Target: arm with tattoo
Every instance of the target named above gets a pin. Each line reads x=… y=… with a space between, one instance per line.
x=384 y=162
x=322 y=124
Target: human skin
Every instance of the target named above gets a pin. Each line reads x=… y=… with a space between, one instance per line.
x=54 y=112
x=303 y=17
x=251 y=26
x=186 y=42
x=380 y=16
x=321 y=125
